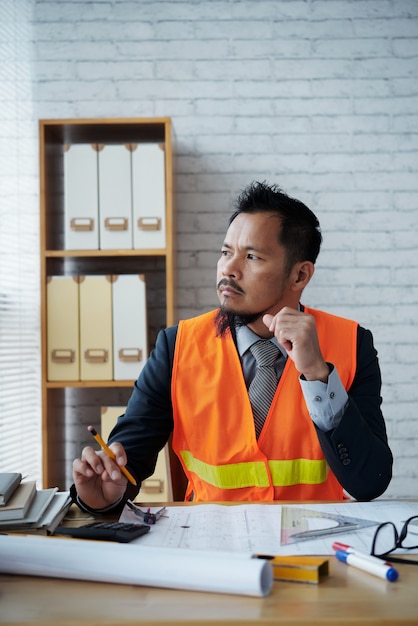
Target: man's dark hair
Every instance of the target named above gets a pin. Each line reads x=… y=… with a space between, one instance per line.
x=300 y=232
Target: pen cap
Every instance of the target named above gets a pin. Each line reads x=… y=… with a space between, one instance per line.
x=392 y=574
x=341 y=555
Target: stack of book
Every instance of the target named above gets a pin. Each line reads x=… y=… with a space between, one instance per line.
x=26 y=509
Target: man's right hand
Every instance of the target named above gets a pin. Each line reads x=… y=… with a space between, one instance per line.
x=98 y=479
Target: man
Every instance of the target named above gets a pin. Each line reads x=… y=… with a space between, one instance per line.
x=324 y=434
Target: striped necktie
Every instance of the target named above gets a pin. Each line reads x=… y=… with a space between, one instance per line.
x=263 y=386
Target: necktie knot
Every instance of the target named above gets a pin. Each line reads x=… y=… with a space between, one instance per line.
x=264 y=352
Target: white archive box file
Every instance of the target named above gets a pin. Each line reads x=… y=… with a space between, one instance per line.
x=156 y=488
x=148 y=196
x=129 y=307
x=96 y=346
x=115 y=197
x=81 y=228
x=63 y=328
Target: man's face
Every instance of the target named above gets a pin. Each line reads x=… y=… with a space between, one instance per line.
x=251 y=275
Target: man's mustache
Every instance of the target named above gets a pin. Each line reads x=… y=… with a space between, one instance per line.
x=227 y=282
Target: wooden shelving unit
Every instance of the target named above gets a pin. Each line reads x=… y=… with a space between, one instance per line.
x=155 y=264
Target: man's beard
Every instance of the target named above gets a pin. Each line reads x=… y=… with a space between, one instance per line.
x=225 y=320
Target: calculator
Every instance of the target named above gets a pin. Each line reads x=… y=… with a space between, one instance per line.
x=123 y=532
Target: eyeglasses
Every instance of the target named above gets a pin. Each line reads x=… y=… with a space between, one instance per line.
x=387 y=539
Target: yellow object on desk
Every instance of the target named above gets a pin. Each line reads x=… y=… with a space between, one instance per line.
x=303 y=569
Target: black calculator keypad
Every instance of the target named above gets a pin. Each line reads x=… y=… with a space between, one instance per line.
x=123 y=532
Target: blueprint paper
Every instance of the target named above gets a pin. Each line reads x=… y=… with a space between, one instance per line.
x=258 y=528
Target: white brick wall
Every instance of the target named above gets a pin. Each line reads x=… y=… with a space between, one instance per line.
x=320 y=96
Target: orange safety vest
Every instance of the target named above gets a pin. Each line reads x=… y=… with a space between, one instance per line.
x=214 y=434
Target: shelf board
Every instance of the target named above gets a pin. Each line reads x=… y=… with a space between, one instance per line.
x=104 y=253
x=83 y=384
x=130 y=130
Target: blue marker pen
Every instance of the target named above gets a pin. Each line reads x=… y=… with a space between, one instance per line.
x=345 y=548
x=383 y=570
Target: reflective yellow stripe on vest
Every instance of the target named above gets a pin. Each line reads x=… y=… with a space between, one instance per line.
x=253 y=474
x=298 y=472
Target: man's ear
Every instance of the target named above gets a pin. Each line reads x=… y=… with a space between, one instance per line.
x=301 y=274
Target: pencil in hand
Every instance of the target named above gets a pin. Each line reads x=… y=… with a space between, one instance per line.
x=111 y=454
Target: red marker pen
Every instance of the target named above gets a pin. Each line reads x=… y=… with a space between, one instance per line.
x=350 y=550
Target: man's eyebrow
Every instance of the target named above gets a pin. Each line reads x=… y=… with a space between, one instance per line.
x=255 y=249
x=248 y=248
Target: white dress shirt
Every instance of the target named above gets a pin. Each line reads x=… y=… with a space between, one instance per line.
x=325 y=401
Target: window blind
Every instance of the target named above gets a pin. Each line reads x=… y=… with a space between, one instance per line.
x=20 y=413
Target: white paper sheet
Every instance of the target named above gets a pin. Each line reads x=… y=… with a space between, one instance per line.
x=258 y=528
x=122 y=563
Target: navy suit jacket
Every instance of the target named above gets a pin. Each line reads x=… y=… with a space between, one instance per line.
x=357 y=450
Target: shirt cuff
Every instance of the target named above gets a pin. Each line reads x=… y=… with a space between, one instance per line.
x=87 y=509
x=326 y=402
x=107 y=509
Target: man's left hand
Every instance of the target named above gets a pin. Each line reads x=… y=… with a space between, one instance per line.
x=296 y=332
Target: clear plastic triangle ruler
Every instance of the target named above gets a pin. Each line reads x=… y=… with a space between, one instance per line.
x=300 y=524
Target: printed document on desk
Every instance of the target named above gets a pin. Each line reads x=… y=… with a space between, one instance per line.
x=294 y=529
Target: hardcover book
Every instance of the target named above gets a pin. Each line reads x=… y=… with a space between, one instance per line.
x=9 y=481
x=20 y=501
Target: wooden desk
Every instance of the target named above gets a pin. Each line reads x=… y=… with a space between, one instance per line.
x=346 y=597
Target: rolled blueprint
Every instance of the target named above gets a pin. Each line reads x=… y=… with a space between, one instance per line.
x=174 y=568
